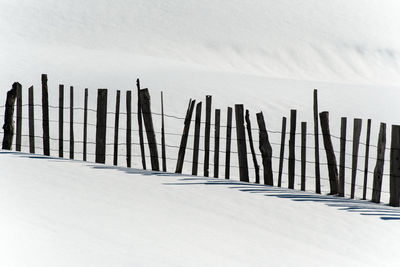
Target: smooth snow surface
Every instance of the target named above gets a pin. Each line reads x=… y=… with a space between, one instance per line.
x=56 y=212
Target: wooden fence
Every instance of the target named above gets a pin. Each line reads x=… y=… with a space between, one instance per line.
x=245 y=139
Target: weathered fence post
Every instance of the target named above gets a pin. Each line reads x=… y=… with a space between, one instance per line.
x=395 y=167
x=366 y=159
x=8 y=126
x=18 y=135
x=228 y=143
x=241 y=143
x=303 y=154
x=45 y=114
x=116 y=126
x=185 y=134
x=196 y=143
x=356 y=144
x=140 y=123
x=253 y=152
x=216 y=142
x=71 y=122
x=330 y=154
x=31 y=115
x=380 y=161
x=265 y=149
x=163 y=150
x=101 y=126
x=316 y=142
x=61 y=120
x=292 y=152
x=282 y=151
x=85 y=113
x=148 y=123
x=342 y=164
x=128 y=128
x=207 y=136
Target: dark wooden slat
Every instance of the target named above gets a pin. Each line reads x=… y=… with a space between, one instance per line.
x=101 y=126
x=45 y=115
x=61 y=120
x=356 y=143
x=394 y=199
x=71 y=122
x=85 y=116
x=196 y=143
x=316 y=142
x=31 y=115
x=253 y=152
x=282 y=151
x=380 y=162
x=241 y=143
x=116 y=126
x=342 y=160
x=366 y=159
x=303 y=155
x=228 y=143
x=292 y=145
x=128 y=128
x=207 y=136
x=18 y=135
x=216 y=142
x=163 y=150
x=140 y=124
x=265 y=149
x=8 y=126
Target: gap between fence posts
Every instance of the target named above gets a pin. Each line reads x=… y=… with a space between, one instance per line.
x=394 y=199
x=140 y=123
x=128 y=128
x=380 y=161
x=356 y=144
x=71 y=122
x=61 y=120
x=253 y=152
x=19 y=118
x=265 y=149
x=101 y=125
x=116 y=126
x=342 y=160
x=292 y=152
x=163 y=150
x=241 y=143
x=207 y=136
x=366 y=159
x=228 y=143
x=216 y=142
x=196 y=142
x=303 y=154
x=85 y=114
x=316 y=142
x=31 y=118
x=282 y=151
x=8 y=126
x=45 y=116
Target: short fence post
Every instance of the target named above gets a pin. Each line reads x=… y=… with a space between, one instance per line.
x=61 y=120
x=71 y=122
x=196 y=143
x=253 y=152
x=45 y=114
x=316 y=141
x=148 y=123
x=163 y=150
x=342 y=160
x=241 y=143
x=116 y=126
x=101 y=126
x=265 y=149
x=182 y=147
x=85 y=115
x=394 y=200
x=216 y=141
x=140 y=123
x=292 y=152
x=207 y=136
x=380 y=161
x=303 y=154
x=228 y=143
x=19 y=118
x=366 y=159
x=330 y=154
x=31 y=115
x=8 y=126
x=356 y=144
x=282 y=151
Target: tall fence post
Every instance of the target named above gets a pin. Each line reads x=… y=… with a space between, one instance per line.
x=216 y=142
x=185 y=134
x=303 y=154
x=342 y=160
x=330 y=154
x=85 y=116
x=366 y=159
x=61 y=120
x=31 y=115
x=292 y=144
x=356 y=144
x=116 y=126
x=394 y=199
x=163 y=150
x=380 y=161
x=101 y=125
x=228 y=143
x=207 y=136
x=18 y=135
x=265 y=149
x=140 y=123
x=241 y=143
x=316 y=142
x=196 y=142
x=128 y=128
x=45 y=114
x=148 y=123
x=71 y=122
x=282 y=151
x=8 y=126
x=253 y=152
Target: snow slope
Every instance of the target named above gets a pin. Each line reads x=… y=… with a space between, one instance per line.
x=56 y=212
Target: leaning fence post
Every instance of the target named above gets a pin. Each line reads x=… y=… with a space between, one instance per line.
x=61 y=120
x=395 y=167
x=45 y=114
x=292 y=152
x=19 y=118
x=148 y=123
x=330 y=154
x=241 y=143
x=228 y=143
x=265 y=149
x=71 y=122
x=207 y=136
x=140 y=123
x=85 y=113
x=342 y=160
x=101 y=125
x=128 y=128
x=303 y=154
x=31 y=115
x=163 y=150
x=253 y=152
x=182 y=147
x=356 y=144
x=8 y=126
x=282 y=151
x=116 y=126
x=366 y=159
x=380 y=161
x=216 y=141
x=196 y=142
x=316 y=141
